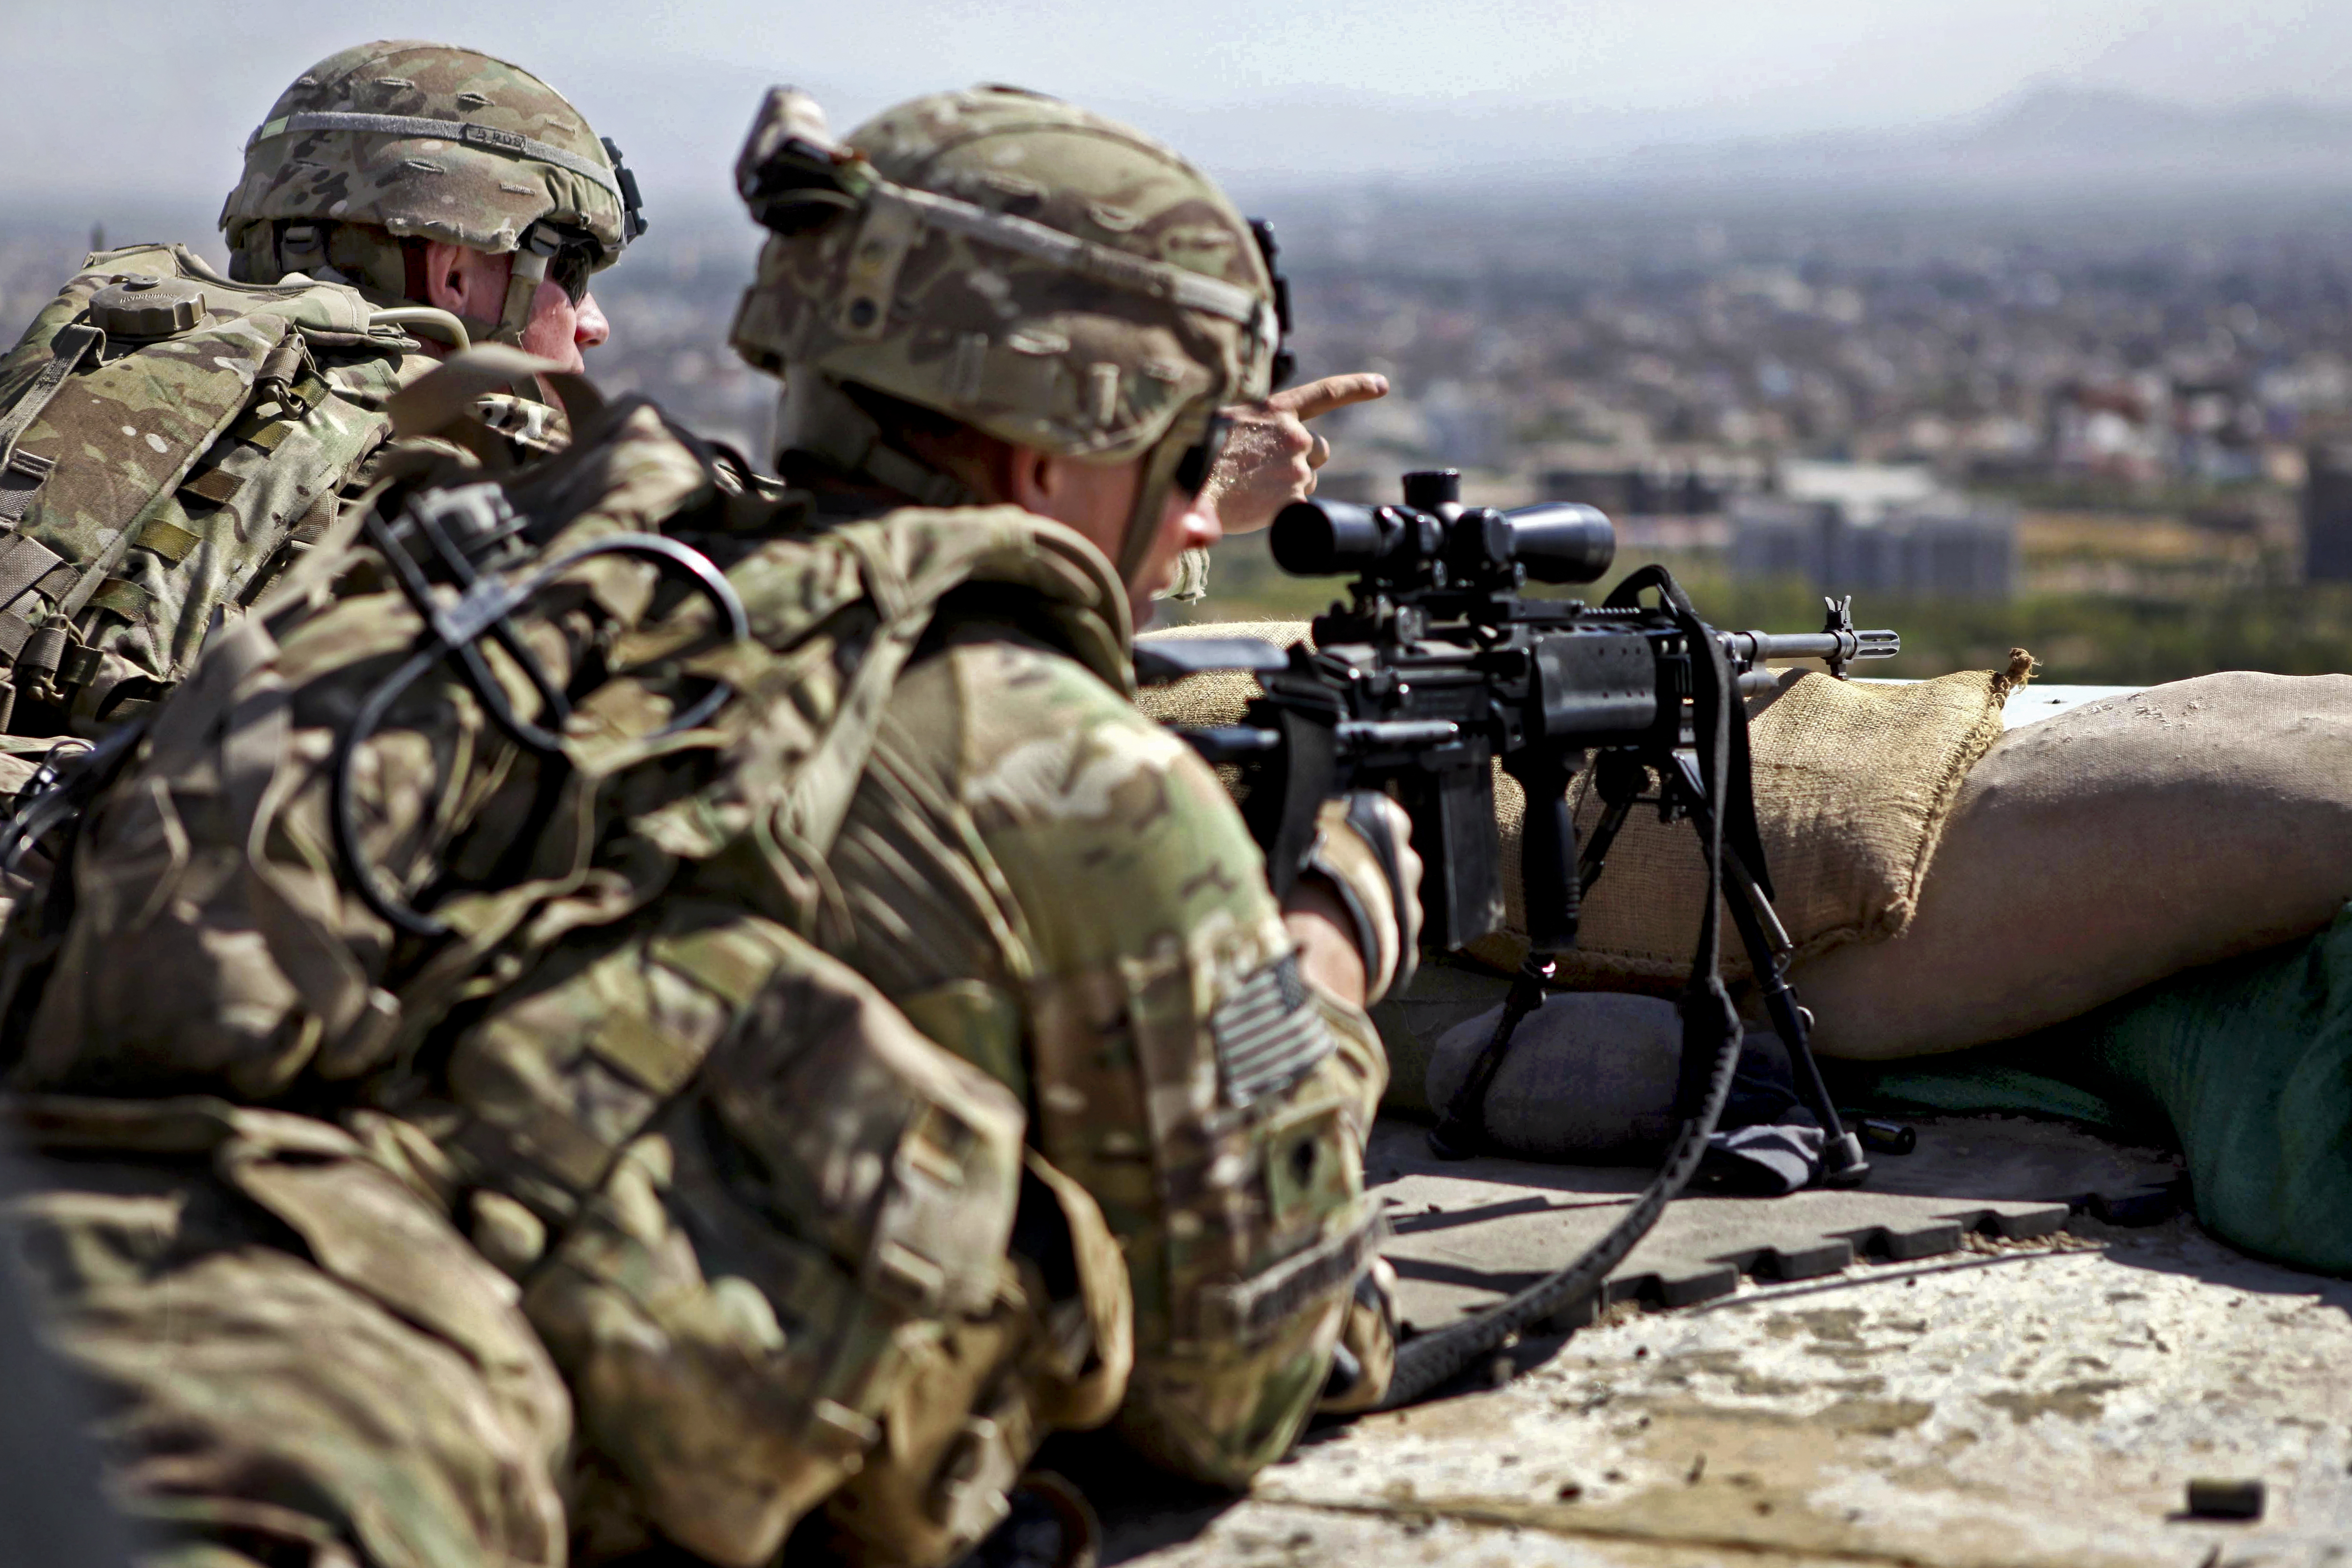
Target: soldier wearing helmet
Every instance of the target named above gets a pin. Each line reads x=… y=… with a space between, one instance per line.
x=987 y=298
x=171 y=438
x=441 y=177
x=914 y=1060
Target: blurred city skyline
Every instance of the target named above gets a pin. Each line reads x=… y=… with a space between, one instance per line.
x=2077 y=280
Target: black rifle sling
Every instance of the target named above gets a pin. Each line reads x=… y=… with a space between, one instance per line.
x=1734 y=789
x=1731 y=794
x=1711 y=1033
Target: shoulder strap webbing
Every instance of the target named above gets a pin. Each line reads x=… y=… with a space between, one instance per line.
x=24 y=561
x=67 y=350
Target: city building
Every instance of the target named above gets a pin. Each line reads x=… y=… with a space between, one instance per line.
x=1635 y=491
x=2328 y=512
x=1849 y=528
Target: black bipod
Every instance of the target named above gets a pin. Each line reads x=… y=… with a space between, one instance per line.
x=1622 y=780
x=467 y=528
x=1768 y=950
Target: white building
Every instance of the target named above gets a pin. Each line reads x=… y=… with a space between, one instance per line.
x=1875 y=528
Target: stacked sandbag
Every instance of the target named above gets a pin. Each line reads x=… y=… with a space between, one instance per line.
x=1854 y=781
x=1218 y=696
x=2096 y=852
x=1590 y=1078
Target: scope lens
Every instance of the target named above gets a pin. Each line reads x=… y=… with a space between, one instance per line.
x=1325 y=538
x=1562 y=542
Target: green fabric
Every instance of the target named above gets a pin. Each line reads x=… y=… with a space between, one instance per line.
x=1969 y=1082
x=2248 y=1063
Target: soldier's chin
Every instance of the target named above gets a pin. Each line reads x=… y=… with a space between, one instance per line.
x=1143 y=604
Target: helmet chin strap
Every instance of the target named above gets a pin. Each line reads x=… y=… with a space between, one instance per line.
x=388 y=270
x=522 y=287
x=1160 y=465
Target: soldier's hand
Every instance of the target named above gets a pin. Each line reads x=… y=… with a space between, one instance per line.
x=1362 y=888
x=1271 y=457
x=1365 y=1358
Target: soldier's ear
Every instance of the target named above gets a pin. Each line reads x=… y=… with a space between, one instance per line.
x=1029 y=479
x=457 y=279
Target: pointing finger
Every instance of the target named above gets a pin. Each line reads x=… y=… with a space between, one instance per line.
x=1331 y=391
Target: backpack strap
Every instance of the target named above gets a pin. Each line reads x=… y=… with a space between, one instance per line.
x=20 y=476
x=67 y=350
x=26 y=561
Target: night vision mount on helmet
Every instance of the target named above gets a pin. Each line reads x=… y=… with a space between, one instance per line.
x=1038 y=273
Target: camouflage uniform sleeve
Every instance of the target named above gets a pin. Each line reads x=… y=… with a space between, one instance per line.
x=1054 y=887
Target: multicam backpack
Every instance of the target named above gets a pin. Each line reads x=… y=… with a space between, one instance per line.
x=515 y=877
x=165 y=435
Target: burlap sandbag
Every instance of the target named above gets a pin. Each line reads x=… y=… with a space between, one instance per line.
x=1218 y=697
x=1852 y=785
x=2101 y=850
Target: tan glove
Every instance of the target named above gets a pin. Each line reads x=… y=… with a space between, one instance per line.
x=1363 y=850
x=1366 y=1358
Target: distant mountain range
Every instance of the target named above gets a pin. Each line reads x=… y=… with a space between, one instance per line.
x=2045 y=138
x=2049 y=145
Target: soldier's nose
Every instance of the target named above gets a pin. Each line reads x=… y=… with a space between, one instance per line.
x=589 y=327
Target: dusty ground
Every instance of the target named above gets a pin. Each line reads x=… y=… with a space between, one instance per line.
x=2017 y=1404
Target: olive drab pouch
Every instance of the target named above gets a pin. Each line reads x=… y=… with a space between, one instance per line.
x=504 y=826
x=164 y=435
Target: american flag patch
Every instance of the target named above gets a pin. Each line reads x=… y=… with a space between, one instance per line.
x=1267 y=1033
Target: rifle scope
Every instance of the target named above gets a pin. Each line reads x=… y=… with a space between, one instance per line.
x=1560 y=541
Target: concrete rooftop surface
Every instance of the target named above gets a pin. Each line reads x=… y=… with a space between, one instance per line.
x=2034 y=1402
x=2026 y=1402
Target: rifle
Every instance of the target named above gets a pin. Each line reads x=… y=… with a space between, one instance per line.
x=1441 y=667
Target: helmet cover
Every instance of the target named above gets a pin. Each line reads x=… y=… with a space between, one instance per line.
x=357 y=140
x=1040 y=273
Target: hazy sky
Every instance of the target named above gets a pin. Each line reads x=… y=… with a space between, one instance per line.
x=157 y=98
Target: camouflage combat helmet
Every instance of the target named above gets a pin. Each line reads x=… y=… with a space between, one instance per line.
x=1042 y=274
x=425 y=141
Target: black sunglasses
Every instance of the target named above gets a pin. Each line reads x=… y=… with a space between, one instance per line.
x=570 y=268
x=1200 y=458
x=573 y=260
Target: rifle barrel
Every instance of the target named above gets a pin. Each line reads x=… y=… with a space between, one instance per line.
x=1374 y=734
x=1749 y=649
x=1231 y=743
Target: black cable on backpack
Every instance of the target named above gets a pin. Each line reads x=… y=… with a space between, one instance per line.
x=46 y=813
x=453 y=630
x=1711 y=1033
